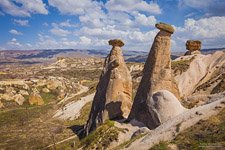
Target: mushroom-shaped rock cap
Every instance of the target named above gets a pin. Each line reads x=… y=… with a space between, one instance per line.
x=116 y=42
x=193 y=45
x=165 y=27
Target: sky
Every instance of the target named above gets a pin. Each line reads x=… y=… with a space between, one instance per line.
x=89 y=24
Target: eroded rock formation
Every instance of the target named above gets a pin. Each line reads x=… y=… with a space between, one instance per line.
x=114 y=90
x=36 y=99
x=193 y=47
x=164 y=106
x=156 y=76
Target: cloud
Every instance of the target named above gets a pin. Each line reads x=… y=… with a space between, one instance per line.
x=100 y=22
x=59 y=32
x=23 y=8
x=84 y=40
x=14 y=44
x=208 y=7
x=209 y=30
x=21 y=22
x=45 y=24
x=46 y=42
x=133 y=5
x=96 y=14
x=56 y=30
x=72 y=7
x=67 y=23
x=13 y=31
x=142 y=19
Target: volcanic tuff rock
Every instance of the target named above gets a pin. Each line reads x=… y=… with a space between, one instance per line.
x=112 y=99
x=19 y=99
x=164 y=106
x=193 y=47
x=201 y=69
x=157 y=75
x=165 y=27
x=36 y=99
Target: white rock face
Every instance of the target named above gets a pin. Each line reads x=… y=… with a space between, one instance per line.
x=200 y=70
x=72 y=110
x=170 y=129
x=165 y=106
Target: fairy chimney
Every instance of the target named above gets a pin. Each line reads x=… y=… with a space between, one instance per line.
x=157 y=76
x=113 y=95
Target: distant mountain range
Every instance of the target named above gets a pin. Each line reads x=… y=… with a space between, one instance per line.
x=132 y=56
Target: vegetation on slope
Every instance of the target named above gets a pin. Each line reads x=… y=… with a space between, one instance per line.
x=101 y=137
x=181 y=66
x=219 y=87
x=129 y=142
x=205 y=134
x=161 y=146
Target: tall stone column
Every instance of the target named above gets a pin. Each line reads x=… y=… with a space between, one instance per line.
x=113 y=95
x=157 y=75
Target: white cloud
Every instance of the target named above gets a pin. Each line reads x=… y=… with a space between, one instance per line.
x=141 y=19
x=209 y=30
x=46 y=42
x=115 y=19
x=59 y=32
x=71 y=6
x=94 y=17
x=28 y=45
x=21 y=22
x=25 y=7
x=67 y=23
x=84 y=40
x=133 y=5
x=14 y=44
x=13 y=31
x=208 y=7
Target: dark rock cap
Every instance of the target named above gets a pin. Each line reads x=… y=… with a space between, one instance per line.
x=165 y=27
x=116 y=42
x=193 y=45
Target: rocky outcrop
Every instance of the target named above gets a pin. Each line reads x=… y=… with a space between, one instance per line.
x=164 y=106
x=19 y=99
x=165 y=27
x=193 y=47
x=170 y=129
x=157 y=75
x=36 y=99
x=200 y=70
x=114 y=90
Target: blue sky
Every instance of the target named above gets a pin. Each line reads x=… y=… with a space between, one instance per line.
x=88 y=24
